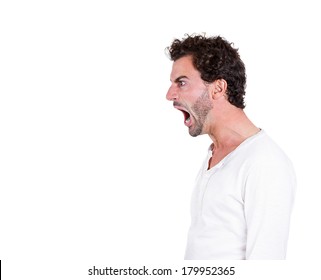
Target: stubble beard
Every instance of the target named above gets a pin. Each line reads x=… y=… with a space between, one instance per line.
x=201 y=108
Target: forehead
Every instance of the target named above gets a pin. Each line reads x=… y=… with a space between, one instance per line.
x=184 y=67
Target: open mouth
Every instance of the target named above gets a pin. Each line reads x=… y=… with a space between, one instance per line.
x=187 y=115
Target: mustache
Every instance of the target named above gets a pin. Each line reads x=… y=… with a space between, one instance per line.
x=176 y=103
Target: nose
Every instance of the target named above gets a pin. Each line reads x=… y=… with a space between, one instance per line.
x=171 y=94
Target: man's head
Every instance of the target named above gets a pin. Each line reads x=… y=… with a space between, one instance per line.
x=215 y=59
x=206 y=71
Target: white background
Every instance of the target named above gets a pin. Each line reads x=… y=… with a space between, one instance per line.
x=97 y=168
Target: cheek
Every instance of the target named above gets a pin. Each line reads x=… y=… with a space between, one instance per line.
x=202 y=106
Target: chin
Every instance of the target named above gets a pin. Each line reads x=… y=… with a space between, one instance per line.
x=195 y=133
x=196 y=129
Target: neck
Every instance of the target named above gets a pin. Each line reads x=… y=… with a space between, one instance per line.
x=228 y=133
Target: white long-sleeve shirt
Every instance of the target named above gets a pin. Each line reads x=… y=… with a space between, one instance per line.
x=241 y=207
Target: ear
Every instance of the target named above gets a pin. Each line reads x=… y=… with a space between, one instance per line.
x=218 y=88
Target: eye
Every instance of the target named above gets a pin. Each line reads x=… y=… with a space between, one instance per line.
x=181 y=83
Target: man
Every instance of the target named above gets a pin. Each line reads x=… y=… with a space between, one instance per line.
x=243 y=198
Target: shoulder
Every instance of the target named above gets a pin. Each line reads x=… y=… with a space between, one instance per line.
x=262 y=149
x=262 y=158
x=267 y=162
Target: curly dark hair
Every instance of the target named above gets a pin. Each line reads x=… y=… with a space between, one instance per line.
x=214 y=58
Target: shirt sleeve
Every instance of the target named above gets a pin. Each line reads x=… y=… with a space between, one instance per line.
x=268 y=201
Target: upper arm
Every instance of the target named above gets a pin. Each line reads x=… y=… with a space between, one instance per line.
x=269 y=195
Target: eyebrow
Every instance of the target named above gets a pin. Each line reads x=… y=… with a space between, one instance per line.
x=179 y=78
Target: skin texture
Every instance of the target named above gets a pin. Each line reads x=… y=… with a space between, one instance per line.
x=207 y=110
